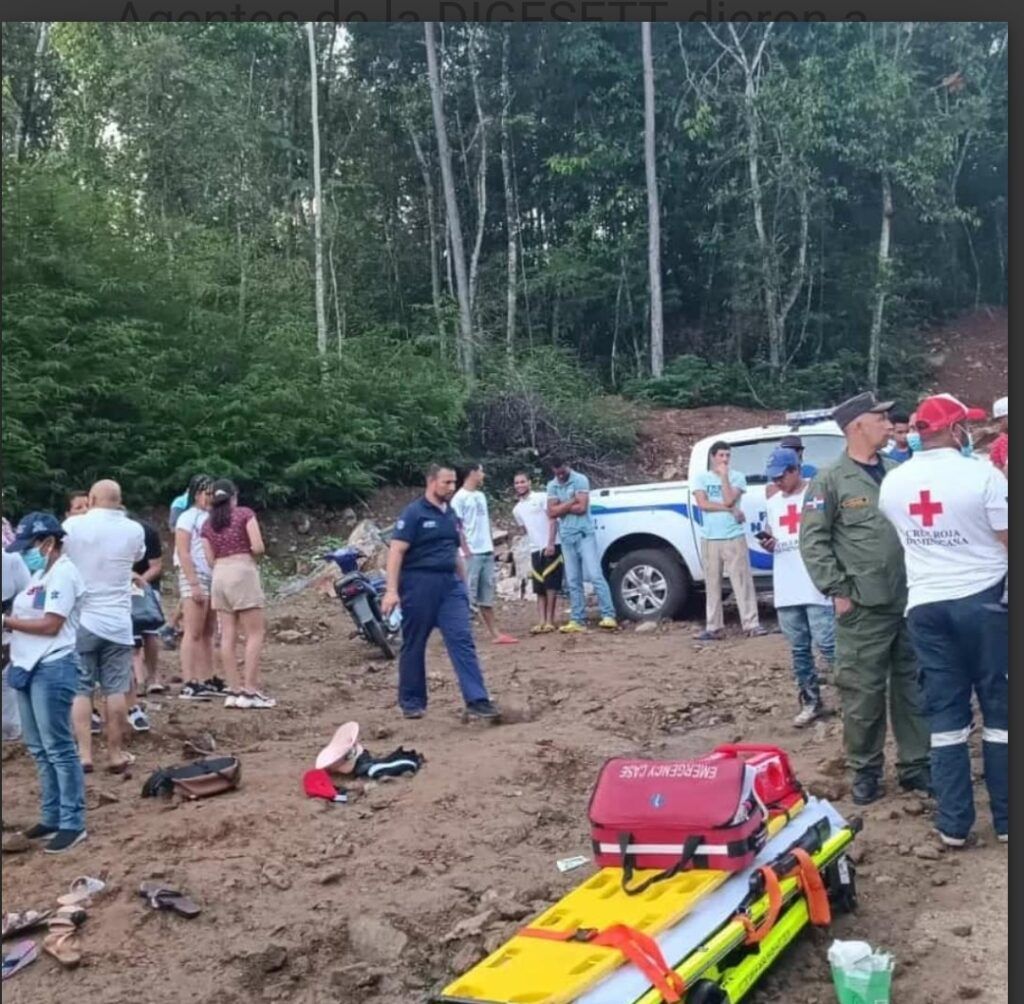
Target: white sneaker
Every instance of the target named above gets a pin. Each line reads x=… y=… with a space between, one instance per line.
x=138 y=720
x=1003 y=838
x=808 y=714
x=256 y=700
x=949 y=841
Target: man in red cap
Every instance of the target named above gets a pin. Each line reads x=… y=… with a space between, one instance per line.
x=951 y=516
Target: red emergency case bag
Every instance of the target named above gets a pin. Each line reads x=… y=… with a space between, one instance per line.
x=675 y=814
x=775 y=782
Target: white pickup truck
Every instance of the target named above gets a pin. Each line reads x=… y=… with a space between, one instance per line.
x=649 y=536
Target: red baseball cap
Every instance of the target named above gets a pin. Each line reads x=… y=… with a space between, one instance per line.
x=943 y=410
x=318 y=784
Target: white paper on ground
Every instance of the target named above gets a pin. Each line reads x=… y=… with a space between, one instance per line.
x=710 y=913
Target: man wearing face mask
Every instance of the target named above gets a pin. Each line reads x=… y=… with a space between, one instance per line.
x=854 y=556
x=44 y=672
x=952 y=518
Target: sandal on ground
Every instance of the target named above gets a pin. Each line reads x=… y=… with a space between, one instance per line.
x=62 y=943
x=122 y=767
x=21 y=955
x=24 y=920
x=538 y=629
x=202 y=744
x=506 y=639
x=83 y=890
x=710 y=636
x=161 y=897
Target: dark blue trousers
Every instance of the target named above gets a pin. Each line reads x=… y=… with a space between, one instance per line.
x=963 y=647
x=436 y=600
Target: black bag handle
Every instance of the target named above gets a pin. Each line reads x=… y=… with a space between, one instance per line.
x=690 y=847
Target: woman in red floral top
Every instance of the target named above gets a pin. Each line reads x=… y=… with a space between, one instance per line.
x=233 y=542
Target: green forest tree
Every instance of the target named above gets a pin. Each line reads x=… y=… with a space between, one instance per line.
x=483 y=229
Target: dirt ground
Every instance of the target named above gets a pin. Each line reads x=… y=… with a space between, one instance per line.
x=310 y=902
x=971 y=356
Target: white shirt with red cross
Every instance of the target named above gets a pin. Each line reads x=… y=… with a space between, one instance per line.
x=791 y=585
x=946 y=509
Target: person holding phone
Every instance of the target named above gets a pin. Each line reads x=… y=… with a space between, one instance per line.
x=805 y=615
x=718 y=493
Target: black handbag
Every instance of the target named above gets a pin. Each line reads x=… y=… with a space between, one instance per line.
x=147 y=614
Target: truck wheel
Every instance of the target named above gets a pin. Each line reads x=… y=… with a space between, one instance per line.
x=649 y=584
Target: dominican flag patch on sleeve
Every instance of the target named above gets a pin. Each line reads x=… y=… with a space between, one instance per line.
x=815 y=503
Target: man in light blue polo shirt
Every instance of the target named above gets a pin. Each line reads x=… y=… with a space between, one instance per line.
x=718 y=492
x=569 y=503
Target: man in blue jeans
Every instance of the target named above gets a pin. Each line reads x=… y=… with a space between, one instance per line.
x=427 y=576
x=569 y=503
x=951 y=515
x=805 y=614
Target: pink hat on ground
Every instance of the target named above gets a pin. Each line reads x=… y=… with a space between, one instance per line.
x=342 y=751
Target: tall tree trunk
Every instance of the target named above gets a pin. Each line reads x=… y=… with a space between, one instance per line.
x=318 y=234
x=26 y=107
x=653 y=213
x=465 y=342
x=511 y=215
x=881 y=284
x=428 y=187
x=769 y=288
x=339 y=324
x=481 y=178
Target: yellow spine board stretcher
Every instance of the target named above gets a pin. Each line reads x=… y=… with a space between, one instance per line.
x=707 y=959
x=531 y=970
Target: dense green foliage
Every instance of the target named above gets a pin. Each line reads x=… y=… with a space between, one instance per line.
x=157 y=247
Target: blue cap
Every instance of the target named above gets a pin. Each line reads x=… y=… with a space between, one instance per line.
x=34 y=526
x=781 y=460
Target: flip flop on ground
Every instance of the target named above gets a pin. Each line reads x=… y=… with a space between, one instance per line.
x=21 y=955
x=161 y=897
x=23 y=920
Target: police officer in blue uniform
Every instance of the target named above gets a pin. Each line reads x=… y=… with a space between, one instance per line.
x=427 y=577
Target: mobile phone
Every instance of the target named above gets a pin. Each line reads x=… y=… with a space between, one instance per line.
x=763 y=535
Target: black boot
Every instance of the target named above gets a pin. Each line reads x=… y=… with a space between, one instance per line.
x=921 y=781
x=867 y=787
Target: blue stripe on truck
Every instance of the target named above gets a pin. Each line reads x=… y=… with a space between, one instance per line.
x=760 y=560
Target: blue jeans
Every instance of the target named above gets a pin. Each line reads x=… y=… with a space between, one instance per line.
x=803 y=627
x=582 y=565
x=963 y=647
x=46 y=731
x=436 y=600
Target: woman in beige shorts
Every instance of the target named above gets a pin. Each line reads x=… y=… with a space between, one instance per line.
x=233 y=542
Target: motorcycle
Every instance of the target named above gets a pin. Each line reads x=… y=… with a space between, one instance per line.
x=361 y=594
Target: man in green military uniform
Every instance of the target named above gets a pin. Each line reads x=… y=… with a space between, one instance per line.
x=853 y=554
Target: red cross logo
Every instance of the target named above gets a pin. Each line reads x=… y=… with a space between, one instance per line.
x=791 y=521
x=926 y=509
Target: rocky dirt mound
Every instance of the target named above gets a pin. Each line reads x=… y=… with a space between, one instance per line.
x=971 y=356
x=667 y=436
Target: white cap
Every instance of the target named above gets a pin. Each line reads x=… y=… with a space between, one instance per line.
x=1001 y=409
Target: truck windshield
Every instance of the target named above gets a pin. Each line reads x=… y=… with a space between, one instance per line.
x=750 y=459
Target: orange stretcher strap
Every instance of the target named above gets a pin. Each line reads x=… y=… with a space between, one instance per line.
x=809 y=881
x=641 y=949
x=757 y=934
x=818 y=908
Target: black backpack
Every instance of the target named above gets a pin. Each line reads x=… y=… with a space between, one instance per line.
x=195 y=780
